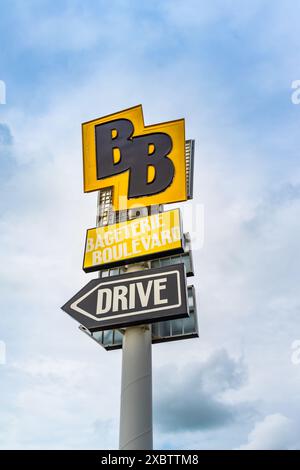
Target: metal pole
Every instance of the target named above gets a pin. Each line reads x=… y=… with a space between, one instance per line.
x=136 y=389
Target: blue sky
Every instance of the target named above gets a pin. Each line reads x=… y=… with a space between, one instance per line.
x=228 y=70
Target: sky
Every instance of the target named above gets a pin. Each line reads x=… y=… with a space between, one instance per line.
x=229 y=70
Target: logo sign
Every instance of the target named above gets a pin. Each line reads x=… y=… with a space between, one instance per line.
x=145 y=165
x=131 y=299
x=134 y=240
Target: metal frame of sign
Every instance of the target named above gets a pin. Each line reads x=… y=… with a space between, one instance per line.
x=189 y=157
x=162 y=332
x=186 y=258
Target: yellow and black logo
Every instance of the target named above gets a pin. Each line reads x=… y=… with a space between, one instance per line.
x=145 y=165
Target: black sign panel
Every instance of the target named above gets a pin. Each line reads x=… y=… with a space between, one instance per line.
x=131 y=299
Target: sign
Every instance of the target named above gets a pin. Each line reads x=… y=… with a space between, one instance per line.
x=131 y=299
x=133 y=240
x=145 y=165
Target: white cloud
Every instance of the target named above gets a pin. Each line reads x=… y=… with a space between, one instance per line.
x=61 y=404
x=47 y=367
x=66 y=29
x=275 y=432
x=193 y=397
x=188 y=13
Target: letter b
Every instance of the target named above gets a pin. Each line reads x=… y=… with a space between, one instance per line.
x=117 y=151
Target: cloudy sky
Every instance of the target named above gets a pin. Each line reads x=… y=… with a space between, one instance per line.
x=228 y=69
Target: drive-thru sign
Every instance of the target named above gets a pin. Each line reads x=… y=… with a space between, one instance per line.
x=118 y=301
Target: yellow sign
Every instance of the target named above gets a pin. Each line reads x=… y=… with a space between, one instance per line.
x=145 y=165
x=127 y=242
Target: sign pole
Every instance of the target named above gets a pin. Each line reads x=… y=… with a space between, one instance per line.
x=136 y=430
